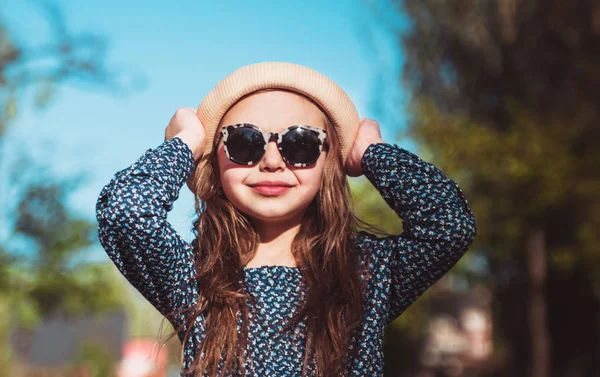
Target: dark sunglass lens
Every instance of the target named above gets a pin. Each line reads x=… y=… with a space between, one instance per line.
x=245 y=144
x=300 y=146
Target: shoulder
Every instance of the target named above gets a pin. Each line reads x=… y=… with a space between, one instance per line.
x=363 y=239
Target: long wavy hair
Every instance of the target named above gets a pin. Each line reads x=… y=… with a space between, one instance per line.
x=225 y=241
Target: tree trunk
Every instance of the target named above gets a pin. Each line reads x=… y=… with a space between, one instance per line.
x=538 y=322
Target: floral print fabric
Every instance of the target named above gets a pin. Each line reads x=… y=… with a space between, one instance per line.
x=438 y=228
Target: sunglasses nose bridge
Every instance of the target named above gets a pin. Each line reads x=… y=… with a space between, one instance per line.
x=273 y=136
x=272 y=156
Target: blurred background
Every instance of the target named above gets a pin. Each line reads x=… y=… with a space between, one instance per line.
x=501 y=95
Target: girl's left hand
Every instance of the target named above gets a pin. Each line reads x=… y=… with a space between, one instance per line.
x=368 y=133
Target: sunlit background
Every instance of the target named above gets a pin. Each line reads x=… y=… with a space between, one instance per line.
x=501 y=95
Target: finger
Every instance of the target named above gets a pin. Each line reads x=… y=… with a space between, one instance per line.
x=371 y=122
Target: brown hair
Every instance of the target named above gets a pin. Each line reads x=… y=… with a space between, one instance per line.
x=226 y=241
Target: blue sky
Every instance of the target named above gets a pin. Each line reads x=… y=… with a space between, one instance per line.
x=182 y=49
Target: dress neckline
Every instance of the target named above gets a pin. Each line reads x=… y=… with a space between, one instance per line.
x=273 y=266
x=271 y=269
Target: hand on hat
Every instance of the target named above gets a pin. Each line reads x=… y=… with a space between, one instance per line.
x=368 y=133
x=186 y=125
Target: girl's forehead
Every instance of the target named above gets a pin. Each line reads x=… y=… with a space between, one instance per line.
x=274 y=111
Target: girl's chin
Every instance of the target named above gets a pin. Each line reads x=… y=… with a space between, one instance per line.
x=270 y=216
x=273 y=215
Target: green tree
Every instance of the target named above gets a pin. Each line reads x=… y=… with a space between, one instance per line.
x=505 y=99
x=53 y=278
x=51 y=275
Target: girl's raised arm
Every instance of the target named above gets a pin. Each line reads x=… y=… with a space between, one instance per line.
x=133 y=228
x=438 y=227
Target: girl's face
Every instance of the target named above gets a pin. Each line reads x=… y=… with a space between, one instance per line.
x=273 y=111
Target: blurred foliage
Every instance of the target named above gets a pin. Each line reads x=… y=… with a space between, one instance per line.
x=51 y=276
x=96 y=360
x=474 y=57
x=505 y=101
x=523 y=174
x=76 y=58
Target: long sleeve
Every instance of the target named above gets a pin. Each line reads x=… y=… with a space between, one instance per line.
x=133 y=229
x=438 y=227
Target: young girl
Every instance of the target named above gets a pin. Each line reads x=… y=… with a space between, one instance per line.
x=279 y=281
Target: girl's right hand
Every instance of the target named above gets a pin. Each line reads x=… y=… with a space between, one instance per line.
x=186 y=125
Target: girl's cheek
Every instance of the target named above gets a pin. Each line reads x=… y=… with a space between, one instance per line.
x=232 y=177
x=310 y=179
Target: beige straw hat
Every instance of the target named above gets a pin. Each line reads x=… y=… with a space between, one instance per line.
x=277 y=75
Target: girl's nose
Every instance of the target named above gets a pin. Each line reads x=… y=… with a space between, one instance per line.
x=272 y=159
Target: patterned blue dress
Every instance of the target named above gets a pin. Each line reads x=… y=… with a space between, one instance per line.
x=438 y=228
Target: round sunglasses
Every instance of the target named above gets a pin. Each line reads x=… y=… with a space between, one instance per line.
x=299 y=145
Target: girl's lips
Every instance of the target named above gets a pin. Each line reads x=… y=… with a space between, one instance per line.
x=271 y=190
